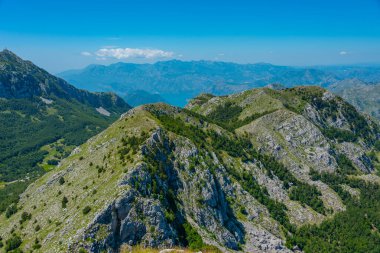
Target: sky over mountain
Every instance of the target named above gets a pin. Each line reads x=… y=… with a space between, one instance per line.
x=59 y=35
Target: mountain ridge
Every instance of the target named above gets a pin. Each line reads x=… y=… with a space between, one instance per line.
x=43 y=118
x=249 y=172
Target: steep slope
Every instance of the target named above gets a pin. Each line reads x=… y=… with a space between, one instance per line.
x=42 y=119
x=177 y=81
x=245 y=181
x=364 y=96
x=330 y=117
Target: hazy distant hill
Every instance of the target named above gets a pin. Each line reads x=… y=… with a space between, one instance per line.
x=366 y=73
x=177 y=81
x=140 y=97
x=364 y=96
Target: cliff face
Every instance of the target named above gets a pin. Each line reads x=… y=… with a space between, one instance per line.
x=235 y=171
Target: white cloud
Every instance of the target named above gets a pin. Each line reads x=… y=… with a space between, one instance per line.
x=343 y=52
x=85 y=53
x=125 y=53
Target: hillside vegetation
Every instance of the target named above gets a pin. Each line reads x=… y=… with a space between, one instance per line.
x=42 y=120
x=258 y=171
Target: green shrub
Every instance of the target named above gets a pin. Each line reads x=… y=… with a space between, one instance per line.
x=86 y=210
x=37 y=244
x=377 y=145
x=25 y=216
x=345 y=165
x=53 y=162
x=169 y=216
x=309 y=195
x=13 y=243
x=61 y=180
x=12 y=209
x=82 y=250
x=193 y=239
x=64 y=202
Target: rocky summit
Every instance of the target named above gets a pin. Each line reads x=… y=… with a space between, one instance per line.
x=259 y=171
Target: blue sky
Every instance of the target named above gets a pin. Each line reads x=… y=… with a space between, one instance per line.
x=60 y=35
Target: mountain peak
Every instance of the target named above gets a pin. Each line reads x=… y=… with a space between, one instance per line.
x=7 y=55
x=22 y=79
x=7 y=52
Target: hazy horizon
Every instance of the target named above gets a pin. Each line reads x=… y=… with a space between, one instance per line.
x=72 y=34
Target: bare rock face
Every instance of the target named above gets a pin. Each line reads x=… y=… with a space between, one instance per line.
x=139 y=217
x=357 y=154
x=292 y=138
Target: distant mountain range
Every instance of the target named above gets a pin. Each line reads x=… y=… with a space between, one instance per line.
x=177 y=81
x=42 y=119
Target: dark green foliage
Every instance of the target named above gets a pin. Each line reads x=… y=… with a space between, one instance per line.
x=29 y=126
x=177 y=126
x=82 y=250
x=13 y=243
x=225 y=113
x=340 y=135
x=169 y=216
x=308 y=195
x=276 y=168
x=37 y=244
x=37 y=228
x=131 y=144
x=25 y=216
x=22 y=136
x=227 y=116
x=354 y=230
x=86 y=210
x=64 y=202
x=12 y=209
x=193 y=239
x=53 y=162
x=61 y=180
x=377 y=145
x=359 y=124
x=345 y=165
